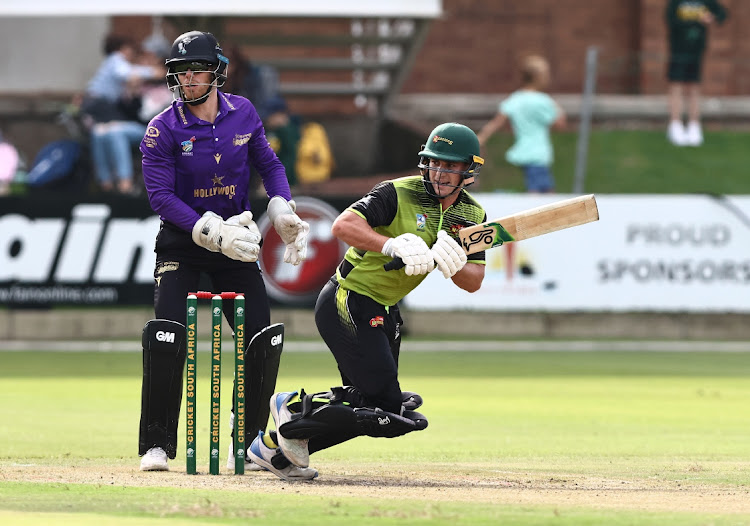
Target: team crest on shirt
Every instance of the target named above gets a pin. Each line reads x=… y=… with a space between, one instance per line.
x=240 y=139
x=187 y=146
x=421 y=222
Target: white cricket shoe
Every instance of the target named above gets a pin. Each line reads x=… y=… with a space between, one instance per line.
x=263 y=455
x=693 y=134
x=155 y=459
x=249 y=464
x=295 y=450
x=677 y=134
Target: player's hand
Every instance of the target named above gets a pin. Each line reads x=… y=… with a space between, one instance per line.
x=291 y=229
x=240 y=238
x=207 y=232
x=413 y=251
x=448 y=255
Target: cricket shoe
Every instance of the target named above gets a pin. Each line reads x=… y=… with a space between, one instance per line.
x=155 y=459
x=265 y=456
x=249 y=465
x=294 y=449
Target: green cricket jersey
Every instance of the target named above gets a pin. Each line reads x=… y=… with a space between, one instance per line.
x=393 y=208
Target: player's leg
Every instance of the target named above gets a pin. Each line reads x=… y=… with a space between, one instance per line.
x=364 y=338
x=358 y=331
x=395 y=342
x=164 y=361
x=322 y=420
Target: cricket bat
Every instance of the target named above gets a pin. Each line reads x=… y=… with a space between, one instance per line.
x=530 y=223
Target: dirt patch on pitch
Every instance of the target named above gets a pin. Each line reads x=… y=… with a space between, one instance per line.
x=511 y=488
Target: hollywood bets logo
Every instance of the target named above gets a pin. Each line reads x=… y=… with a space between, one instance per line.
x=301 y=284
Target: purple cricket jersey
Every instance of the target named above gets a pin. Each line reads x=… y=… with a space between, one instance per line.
x=192 y=166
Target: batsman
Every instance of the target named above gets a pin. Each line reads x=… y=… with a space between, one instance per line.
x=415 y=219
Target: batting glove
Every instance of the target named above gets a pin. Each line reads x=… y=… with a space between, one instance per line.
x=292 y=230
x=448 y=255
x=413 y=251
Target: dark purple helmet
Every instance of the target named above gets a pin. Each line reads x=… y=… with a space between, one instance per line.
x=198 y=51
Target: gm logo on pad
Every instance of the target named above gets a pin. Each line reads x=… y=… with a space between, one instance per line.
x=163 y=336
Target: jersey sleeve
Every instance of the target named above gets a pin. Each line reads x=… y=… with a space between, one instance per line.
x=379 y=206
x=265 y=161
x=159 y=177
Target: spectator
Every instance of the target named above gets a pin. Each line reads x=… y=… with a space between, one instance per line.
x=109 y=116
x=153 y=96
x=9 y=163
x=283 y=134
x=259 y=83
x=687 y=24
x=531 y=113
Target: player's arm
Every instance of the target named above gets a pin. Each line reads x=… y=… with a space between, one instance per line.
x=470 y=277
x=451 y=259
x=159 y=177
x=355 y=225
x=354 y=230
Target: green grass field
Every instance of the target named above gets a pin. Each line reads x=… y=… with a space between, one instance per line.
x=514 y=438
x=633 y=162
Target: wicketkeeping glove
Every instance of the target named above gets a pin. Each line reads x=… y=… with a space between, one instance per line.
x=240 y=244
x=291 y=229
x=448 y=255
x=238 y=240
x=413 y=251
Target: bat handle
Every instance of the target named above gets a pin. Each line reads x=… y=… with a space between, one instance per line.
x=394 y=264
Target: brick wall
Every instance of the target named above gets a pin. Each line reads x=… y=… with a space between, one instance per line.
x=477 y=45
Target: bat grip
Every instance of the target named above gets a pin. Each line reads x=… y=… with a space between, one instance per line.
x=394 y=264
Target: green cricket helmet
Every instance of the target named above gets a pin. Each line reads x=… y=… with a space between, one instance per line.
x=451 y=142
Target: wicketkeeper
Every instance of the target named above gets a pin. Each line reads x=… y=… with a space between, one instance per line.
x=415 y=219
x=197 y=156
